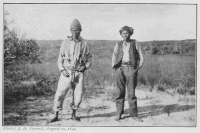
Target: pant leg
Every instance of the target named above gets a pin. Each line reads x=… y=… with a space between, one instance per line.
x=78 y=91
x=120 y=90
x=64 y=85
x=131 y=85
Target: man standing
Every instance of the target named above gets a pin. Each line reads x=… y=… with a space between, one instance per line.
x=74 y=58
x=126 y=61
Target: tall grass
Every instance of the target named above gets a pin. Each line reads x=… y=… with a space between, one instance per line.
x=26 y=80
x=168 y=72
x=162 y=72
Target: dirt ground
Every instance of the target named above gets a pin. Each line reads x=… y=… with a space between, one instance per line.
x=155 y=109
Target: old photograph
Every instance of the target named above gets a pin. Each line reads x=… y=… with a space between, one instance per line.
x=105 y=64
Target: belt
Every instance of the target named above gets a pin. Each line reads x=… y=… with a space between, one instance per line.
x=126 y=64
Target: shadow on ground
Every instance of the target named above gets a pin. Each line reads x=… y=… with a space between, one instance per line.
x=21 y=113
x=151 y=110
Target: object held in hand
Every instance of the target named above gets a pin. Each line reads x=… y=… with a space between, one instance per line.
x=79 y=69
x=82 y=68
x=65 y=73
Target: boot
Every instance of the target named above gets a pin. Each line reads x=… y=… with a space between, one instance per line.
x=55 y=118
x=133 y=111
x=120 y=109
x=122 y=112
x=73 y=116
x=118 y=117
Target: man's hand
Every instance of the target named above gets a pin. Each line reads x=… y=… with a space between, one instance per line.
x=138 y=68
x=82 y=68
x=65 y=73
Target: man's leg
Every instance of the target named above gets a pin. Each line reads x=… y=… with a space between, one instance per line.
x=131 y=85
x=64 y=84
x=120 y=92
x=77 y=94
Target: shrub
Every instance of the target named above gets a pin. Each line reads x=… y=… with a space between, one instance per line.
x=17 y=53
x=20 y=51
x=27 y=82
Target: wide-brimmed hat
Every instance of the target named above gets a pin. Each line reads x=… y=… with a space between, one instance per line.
x=126 y=28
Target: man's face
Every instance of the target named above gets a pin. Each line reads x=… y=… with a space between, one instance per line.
x=125 y=35
x=75 y=33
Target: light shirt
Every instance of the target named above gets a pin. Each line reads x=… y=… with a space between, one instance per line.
x=74 y=48
x=72 y=52
x=126 y=47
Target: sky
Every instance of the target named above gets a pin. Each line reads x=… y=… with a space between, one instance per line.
x=103 y=21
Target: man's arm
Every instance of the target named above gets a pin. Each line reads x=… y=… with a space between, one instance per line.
x=86 y=60
x=114 y=55
x=138 y=47
x=88 y=55
x=60 y=58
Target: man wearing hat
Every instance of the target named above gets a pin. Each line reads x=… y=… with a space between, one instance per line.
x=74 y=58
x=126 y=61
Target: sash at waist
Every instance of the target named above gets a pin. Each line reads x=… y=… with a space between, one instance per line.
x=128 y=64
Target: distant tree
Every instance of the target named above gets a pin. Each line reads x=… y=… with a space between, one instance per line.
x=154 y=49
x=18 y=50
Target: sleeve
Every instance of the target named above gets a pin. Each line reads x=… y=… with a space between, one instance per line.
x=88 y=56
x=114 y=55
x=139 y=49
x=60 y=57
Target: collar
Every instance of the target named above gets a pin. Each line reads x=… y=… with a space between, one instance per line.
x=129 y=41
x=71 y=39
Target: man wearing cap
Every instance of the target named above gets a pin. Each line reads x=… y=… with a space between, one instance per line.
x=74 y=58
x=127 y=59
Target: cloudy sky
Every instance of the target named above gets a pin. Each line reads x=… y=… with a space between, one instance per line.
x=102 y=21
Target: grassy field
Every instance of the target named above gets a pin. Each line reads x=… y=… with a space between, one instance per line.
x=164 y=82
x=172 y=73
x=163 y=70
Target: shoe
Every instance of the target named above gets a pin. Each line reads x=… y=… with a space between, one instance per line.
x=118 y=117
x=73 y=116
x=76 y=118
x=54 y=119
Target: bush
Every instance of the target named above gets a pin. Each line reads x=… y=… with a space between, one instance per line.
x=18 y=50
x=26 y=82
x=18 y=53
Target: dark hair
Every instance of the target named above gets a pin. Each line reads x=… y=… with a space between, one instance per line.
x=126 y=28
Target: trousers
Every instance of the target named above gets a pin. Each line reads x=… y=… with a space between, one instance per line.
x=126 y=77
x=64 y=85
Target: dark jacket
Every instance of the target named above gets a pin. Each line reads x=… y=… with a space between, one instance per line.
x=118 y=55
